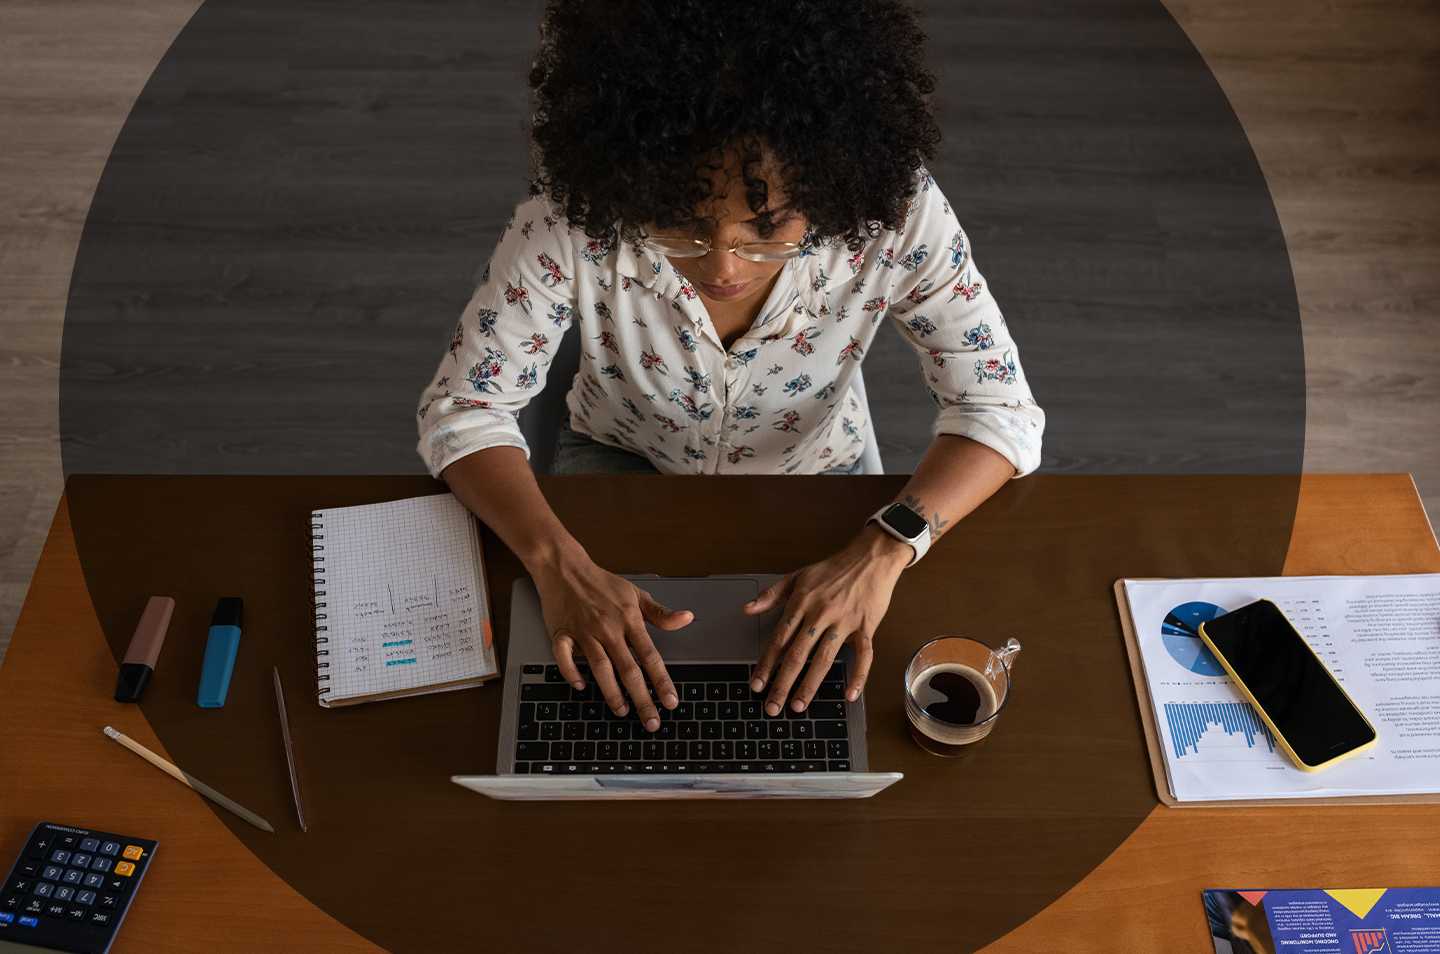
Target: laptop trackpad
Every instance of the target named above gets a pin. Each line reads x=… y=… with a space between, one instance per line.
x=720 y=629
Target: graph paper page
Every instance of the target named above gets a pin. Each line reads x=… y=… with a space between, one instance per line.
x=404 y=602
x=1379 y=636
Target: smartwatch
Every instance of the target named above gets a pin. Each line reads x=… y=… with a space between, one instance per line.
x=903 y=523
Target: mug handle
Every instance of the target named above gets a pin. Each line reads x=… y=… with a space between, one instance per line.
x=1005 y=656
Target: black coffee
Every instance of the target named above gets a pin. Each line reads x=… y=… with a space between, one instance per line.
x=950 y=705
x=956 y=696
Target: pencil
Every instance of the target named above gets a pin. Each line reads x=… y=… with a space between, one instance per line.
x=189 y=780
x=289 y=750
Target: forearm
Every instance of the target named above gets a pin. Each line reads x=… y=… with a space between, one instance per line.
x=847 y=594
x=956 y=475
x=497 y=485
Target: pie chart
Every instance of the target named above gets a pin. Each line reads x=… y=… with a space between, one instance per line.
x=1180 y=632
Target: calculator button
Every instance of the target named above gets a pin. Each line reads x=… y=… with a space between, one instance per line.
x=73 y=876
x=55 y=910
x=40 y=847
x=63 y=892
x=59 y=857
x=6 y=917
x=29 y=922
x=111 y=848
x=133 y=853
x=100 y=864
x=34 y=906
x=100 y=918
x=80 y=860
x=75 y=914
x=43 y=889
x=117 y=884
x=85 y=897
x=11 y=902
x=21 y=885
x=67 y=841
x=107 y=900
x=124 y=869
x=29 y=869
x=93 y=880
x=89 y=844
x=52 y=872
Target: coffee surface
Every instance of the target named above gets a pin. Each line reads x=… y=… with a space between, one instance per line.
x=959 y=701
x=955 y=694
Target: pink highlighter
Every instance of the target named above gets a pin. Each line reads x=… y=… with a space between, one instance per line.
x=139 y=661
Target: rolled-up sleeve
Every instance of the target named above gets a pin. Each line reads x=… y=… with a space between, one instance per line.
x=969 y=361
x=503 y=342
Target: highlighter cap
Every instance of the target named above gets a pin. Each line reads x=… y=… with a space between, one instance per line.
x=134 y=677
x=228 y=612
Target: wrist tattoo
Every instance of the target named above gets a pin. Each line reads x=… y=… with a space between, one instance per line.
x=938 y=524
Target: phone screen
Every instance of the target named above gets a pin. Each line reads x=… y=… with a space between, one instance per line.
x=1294 y=688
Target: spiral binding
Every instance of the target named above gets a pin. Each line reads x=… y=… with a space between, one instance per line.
x=317 y=558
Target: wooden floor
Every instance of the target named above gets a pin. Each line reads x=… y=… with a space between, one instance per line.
x=1341 y=101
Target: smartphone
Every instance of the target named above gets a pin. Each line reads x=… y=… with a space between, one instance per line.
x=1308 y=712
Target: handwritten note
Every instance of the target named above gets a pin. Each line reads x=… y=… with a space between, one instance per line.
x=403 y=579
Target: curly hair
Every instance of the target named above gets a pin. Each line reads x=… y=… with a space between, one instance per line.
x=635 y=99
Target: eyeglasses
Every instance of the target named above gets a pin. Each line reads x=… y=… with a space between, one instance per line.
x=676 y=247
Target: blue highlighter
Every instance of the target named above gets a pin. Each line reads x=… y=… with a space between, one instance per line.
x=220 y=650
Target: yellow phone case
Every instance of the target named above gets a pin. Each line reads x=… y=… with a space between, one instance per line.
x=1283 y=742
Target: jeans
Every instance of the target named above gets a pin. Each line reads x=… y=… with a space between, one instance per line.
x=576 y=453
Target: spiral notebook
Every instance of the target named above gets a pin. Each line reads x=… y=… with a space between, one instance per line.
x=400 y=602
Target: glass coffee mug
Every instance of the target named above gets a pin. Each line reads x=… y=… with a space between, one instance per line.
x=955 y=689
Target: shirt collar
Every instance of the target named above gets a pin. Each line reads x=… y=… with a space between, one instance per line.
x=806 y=297
x=805 y=283
x=653 y=271
x=633 y=260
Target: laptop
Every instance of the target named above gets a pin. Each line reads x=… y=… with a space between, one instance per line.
x=557 y=742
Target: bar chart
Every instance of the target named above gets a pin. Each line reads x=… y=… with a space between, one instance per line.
x=1189 y=721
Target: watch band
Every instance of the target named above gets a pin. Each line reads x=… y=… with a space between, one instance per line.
x=920 y=543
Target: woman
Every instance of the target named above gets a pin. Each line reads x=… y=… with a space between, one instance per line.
x=729 y=200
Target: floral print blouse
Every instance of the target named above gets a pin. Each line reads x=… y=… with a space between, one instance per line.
x=655 y=378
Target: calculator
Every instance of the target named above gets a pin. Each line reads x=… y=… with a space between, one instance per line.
x=70 y=888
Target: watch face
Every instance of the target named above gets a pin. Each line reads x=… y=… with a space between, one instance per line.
x=906 y=521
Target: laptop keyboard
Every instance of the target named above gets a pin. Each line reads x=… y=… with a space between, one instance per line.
x=720 y=726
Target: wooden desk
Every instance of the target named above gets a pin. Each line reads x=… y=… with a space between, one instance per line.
x=1048 y=837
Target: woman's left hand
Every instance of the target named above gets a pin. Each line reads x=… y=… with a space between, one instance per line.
x=840 y=598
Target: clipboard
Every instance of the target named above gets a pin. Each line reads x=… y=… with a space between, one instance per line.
x=1157 y=756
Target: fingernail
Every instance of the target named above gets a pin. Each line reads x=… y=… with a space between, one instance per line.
x=651 y=725
x=623 y=710
x=798 y=705
x=578 y=684
x=772 y=708
x=757 y=684
x=670 y=700
x=852 y=695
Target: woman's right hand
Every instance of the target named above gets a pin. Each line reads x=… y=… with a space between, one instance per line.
x=588 y=608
